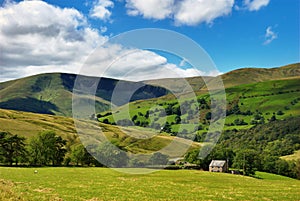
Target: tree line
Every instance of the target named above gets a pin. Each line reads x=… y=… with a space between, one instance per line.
x=49 y=149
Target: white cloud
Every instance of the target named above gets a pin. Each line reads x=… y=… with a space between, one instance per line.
x=133 y=64
x=270 y=35
x=185 y=12
x=101 y=9
x=193 y=12
x=150 y=9
x=255 y=5
x=36 y=37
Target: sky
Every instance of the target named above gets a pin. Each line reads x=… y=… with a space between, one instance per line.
x=67 y=36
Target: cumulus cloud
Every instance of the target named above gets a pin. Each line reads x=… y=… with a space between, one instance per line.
x=150 y=9
x=270 y=35
x=193 y=12
x=101 y=10
x=185 y=12
x=140 y=65
x=38 y=37
x=255 y=5
x=122 y=63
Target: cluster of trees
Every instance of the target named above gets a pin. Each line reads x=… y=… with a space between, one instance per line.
x=49 y=149
x=258 y=148
x=45 y=149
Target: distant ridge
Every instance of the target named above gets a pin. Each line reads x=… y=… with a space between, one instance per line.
x=52 y=93
x=252 y=75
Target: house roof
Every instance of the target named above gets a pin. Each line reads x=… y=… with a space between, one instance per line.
x=217 y=163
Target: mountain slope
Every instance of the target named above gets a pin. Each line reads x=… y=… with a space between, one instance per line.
x=30 y=124
x=247 y=106
x=232 y=78
x=52 y=93
x=253 y=75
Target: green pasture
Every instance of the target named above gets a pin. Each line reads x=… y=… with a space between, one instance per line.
x=107 y=184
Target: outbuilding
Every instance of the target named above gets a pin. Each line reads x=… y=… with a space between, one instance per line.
x=218 y=166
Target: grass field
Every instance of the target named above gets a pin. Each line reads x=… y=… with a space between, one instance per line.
x=294 y=156
x=106 y=184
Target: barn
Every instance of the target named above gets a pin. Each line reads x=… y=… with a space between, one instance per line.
x=218 y=166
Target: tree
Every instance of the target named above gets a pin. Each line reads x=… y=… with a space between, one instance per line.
x=111 y=156
x=47 y=148
x=192 y=156
x=12 y=148
x=208 y=116
x=177 y=119
x=158 y=159
x=176 y=110
x=81 y=156
x=167 y=128
x=247 y=160
x=280 y=112
x=134 y=118
x=273 y=118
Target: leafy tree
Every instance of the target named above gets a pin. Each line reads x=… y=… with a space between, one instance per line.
x=78 y=155
x=208 y=116
x=176 y=110
x=169 y=110
x=192 y=156
x=201 y=101
x=280 y=112
x=247 y=160
x=105 y=121
x=111 y=156
x=167 y=128
x=273 y=118
x=177 y=119
x=134 y=118
x=297 y=169
x=12 y=148
x=47 y=148
x=158 y=159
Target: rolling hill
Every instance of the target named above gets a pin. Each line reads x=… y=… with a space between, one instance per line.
x=232 y=78
x=247 y=106
x=28 y=124
x=52 y=93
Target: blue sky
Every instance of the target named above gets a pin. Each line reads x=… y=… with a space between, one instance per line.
x=236 y=34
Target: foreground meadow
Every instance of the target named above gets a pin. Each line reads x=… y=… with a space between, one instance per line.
x=106 y=184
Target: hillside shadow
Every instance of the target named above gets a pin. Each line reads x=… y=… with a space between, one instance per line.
x=29 y=105
x=107 y=86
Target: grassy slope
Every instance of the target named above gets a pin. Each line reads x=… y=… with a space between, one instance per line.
x=52 y=93
x=234 y=78
x=294 y=156
x=106 y=184
x=253 y=75
x=30 y=124
x=267 y=97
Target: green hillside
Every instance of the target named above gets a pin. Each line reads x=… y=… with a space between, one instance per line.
x=232 y=78
x=30 y=124
x=253 y=75
x=247 y=105
x=52 y=93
